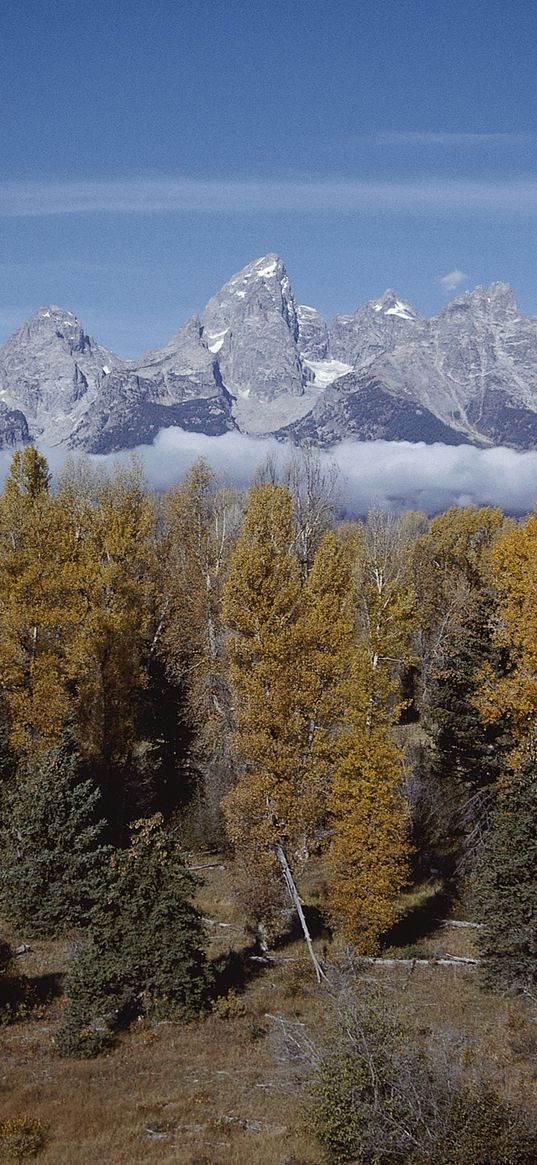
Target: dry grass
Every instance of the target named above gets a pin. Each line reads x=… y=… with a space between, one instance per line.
x=217 y=1092
x=166 y=1094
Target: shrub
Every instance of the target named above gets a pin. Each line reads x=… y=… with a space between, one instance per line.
x=21 y=1138
x=375 y=1096
x=5 y=956
x=484 y=1130
x=379 y=1099
x=145 y=948
x=82 y=1036
x=341 y=1108
x=229 y=1006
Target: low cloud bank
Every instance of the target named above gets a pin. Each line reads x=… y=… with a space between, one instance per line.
x=396 y=475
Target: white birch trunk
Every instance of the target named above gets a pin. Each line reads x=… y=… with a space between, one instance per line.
x=295 y=898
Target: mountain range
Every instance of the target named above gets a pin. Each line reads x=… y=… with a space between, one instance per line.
x=258 y=362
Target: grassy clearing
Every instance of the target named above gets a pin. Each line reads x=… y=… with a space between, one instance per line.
x=220 y=1092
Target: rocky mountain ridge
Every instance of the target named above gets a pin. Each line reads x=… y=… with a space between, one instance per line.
x=258 y=362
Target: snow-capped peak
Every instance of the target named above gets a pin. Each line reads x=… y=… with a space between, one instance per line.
x=399 y=309
x=263 y=268
x=268 y=269
x=390 y=305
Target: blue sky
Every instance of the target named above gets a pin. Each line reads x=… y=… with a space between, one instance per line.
x=149 y=150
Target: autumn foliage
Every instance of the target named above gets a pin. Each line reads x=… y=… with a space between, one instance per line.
x=251 y=669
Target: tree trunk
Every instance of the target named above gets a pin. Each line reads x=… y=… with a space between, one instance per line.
x=294 y=896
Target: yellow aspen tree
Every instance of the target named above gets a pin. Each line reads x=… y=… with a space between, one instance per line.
x=111 y=522
x=261 y=605
x=513 y=694
x=325 y=636
x=75 y=568
x=312 y=484
x=386 y=601
x=288 y=652
x=451 y=574
x=369 y=851
x=41 y=606
x=200 y=525
x=313 y=487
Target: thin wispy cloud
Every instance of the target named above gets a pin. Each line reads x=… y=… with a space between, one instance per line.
x=452 y=280
x=254 y=196
x=450 y=140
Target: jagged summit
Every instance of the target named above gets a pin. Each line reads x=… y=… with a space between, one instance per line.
x=49 y=324
x=258 y=361
x=53 y=325
x=494 y=302
x=374 y=328
x=473 y=367
x=390 y=304
x=265 y=280
x=51 y=370
x=251 y=325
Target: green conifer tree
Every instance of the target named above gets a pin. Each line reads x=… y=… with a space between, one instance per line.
x=467 y=756
x=145 y=947
x=51 y=854
x=506 y=886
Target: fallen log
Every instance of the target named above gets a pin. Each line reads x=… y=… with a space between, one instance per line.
x=461 y=925
x=435 y=961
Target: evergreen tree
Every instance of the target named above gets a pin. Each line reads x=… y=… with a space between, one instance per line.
x=51 y=854
x=461 y=741
x=7 y=759
x=467 y=756
x=451 y=567
x=506 y=886
x=145 y=946
x=456 y=610
x=6 y=956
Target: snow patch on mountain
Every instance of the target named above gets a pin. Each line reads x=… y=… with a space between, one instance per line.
x=399 y=309
x=326 y=371
x=215 y=340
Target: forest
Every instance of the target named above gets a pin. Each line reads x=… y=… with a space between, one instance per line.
x=333 y=721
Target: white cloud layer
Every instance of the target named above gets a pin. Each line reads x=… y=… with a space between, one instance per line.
x=397 y=475
x=452 y=280
x=255 y=196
